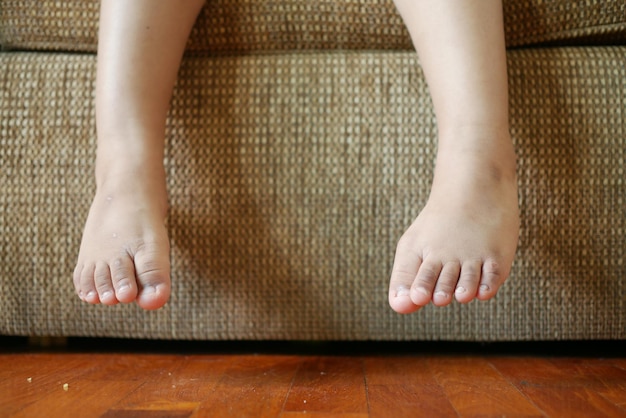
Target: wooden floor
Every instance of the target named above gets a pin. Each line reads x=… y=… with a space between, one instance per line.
x=313 y=383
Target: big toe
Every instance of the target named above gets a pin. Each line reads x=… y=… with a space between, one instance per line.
x=154 y=295
x=402 y=278
x=400 y=299
x=153 y=279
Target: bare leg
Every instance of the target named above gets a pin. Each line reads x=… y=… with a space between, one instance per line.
x=124 y=254
x=463 y=243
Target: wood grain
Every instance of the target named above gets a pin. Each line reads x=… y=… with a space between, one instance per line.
x=475 y=389
x=251 y=386
x=404 y=387
x=330 y=385
x=82 y=398
x=290 y=386
x=28 y=378
x=564 y=387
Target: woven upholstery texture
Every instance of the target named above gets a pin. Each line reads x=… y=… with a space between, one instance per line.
x=235 y=26
x=291 y=178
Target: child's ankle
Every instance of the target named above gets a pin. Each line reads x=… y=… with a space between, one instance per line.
x=488 y=147
x=496 y=128
x=128 y=167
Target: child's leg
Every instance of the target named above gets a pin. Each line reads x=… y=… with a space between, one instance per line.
x=124 y=254
x=463 y=242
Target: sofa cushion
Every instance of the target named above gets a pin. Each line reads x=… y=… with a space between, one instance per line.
x=291 y=178
x=229 y=26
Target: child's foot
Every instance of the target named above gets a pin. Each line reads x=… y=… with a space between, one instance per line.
x=463 y=243
x=124 y=254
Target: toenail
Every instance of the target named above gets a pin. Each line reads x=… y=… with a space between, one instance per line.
x=460 y=290
x=107 y=294
x=123 y=289
x=91 y=294
x=441 y=294
x=402 y=291
x=423 y=291
x=149 y=290
x=484 y=288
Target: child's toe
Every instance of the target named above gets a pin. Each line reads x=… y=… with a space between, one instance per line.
x=153 y=275
x=405 y=268
x=424 y=284
x=104 y=287
x=467 y=286
x=123 y=279
x=446 y=283
x=88 y=291
x=490 y=281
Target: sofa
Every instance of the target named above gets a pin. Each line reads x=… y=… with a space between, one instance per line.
x=300 y=146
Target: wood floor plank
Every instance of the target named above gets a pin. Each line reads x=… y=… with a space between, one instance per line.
x=140 y=367
x=10 y=363
x=82 y=398
x=399 y=387
x=619 y=362
x=400 y=401
x=182 y=389
x=252 y=386
x=386 y=371
x=475 y=388
x=524 y=371
x=179 y=386
x=322 y=415
x=572 y=402
x=30 y=377
x=156 y=410
x=329 y=384
x=608 y=380
x=144 y=369
x=44 y=363
x=558 y=388
x=146 y=414
x=561 y=371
